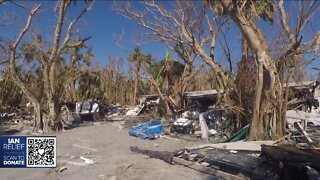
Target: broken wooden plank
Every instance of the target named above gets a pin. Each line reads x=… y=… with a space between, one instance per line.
x=207 y=170
x=294 y=161
x=238 y=146
x=303 y=132
x=290 y=153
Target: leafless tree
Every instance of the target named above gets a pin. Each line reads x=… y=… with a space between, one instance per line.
x=196 y=25
x=48 y=62
x=270 y=97
x=183 y=32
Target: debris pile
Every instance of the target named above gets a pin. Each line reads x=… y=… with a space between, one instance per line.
x=15 y=120
x=294 y=156
x=245 y=160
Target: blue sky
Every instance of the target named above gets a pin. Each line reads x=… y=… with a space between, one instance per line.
x=102 y=24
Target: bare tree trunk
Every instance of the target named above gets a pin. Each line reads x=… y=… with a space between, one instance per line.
x=50 y=67
x=136 y=90
x=255 y=127
x=268 y=109
x=130 y=96
x=49 y=99
x=57 y=36
x=74 y=59
x=187 y=75
x=38 y=124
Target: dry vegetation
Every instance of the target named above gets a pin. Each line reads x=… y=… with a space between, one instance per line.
x=48 y=72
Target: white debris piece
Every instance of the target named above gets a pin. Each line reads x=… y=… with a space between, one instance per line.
x=133 y=112
x=296 y=116
x=190 y=115
x=87 y=107
x=204 y=127
x=87 y=161
x=182 y=122
x=212 y=131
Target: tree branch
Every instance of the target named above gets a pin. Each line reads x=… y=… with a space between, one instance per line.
x=70 y=28
x=26 y=28
x=79 y=43
x=285 y=25
x=12 y=58
x=57 y=35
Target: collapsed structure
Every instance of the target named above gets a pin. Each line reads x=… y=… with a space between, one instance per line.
x=229 y=155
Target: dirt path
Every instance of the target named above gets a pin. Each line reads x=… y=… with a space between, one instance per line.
x=108 y=146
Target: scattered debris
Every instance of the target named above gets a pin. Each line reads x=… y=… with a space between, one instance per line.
x=7 y=116
x=207 y=170
x=200 y=100
x=61 y=169
x=73 y=163
x=135 y=111
x=304 y=127
x=83 y=147
x=190 y=114
x=215 y=162
x=296 y=116
x=182 y=126
x=233 y=151
x=69 y=119
x=295 y=163
x=114 y=111
x=87 y=161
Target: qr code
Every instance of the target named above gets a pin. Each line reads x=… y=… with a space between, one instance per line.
x=41 y=152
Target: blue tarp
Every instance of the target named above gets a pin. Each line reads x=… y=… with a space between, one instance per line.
x=150 y=130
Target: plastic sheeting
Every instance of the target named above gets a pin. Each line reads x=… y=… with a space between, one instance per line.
x=150 y=130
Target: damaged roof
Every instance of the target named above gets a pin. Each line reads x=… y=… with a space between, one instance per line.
x=201 y=93
x=301 y=84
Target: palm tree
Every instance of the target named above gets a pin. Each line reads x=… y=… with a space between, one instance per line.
x=169 y=72
x=139 y=59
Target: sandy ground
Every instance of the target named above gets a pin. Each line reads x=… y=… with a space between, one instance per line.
x=107 y=144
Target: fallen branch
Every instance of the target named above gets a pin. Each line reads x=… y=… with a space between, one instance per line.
x=162 y=155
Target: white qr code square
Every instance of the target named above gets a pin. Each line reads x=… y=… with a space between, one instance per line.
x=41 y=151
